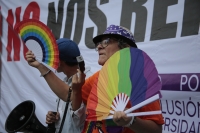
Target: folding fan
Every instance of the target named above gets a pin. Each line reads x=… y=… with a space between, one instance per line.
x=129 y=75
x=32 y=29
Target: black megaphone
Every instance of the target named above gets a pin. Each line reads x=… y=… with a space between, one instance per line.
x=23 y=119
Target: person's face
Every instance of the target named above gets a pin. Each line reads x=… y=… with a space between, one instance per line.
x=106 y=48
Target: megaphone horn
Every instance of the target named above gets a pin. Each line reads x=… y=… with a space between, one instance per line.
x=23 y=119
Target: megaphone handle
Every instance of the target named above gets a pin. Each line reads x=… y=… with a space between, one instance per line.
x=51 y=127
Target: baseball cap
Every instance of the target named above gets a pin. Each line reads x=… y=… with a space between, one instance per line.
x=68 y=50
x=117 y=32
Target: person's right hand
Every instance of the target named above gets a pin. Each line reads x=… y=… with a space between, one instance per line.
x=50 y=117
x=78 y=80
x=30 y=57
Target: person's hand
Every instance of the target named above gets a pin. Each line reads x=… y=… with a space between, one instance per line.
x=121 y=119
x=50 y=117
x=78 y=80
x=30 y=57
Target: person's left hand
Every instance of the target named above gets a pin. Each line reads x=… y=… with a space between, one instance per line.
x=78 y=80
x=51 y=117
x=121 y=119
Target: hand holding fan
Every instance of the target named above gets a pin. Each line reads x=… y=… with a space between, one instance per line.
x=129 y=75
x=32 y=29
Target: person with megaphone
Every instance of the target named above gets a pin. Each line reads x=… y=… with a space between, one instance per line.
x=72 y=65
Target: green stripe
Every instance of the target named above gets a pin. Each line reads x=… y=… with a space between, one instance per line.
x=124 y=71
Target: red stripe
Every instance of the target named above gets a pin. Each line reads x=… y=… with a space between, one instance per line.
x=93 y=96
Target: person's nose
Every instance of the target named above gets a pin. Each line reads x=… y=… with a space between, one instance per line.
x=99 y=47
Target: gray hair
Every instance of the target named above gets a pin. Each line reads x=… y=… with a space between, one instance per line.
x=122 y=44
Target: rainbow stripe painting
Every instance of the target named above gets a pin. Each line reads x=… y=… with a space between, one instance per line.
x=38 y=31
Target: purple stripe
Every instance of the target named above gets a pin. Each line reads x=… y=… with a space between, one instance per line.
x=138 y=80
x=181 y=82
x=151 y=75
x=114 y=129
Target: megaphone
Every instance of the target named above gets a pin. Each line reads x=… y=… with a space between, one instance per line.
x=23 y=119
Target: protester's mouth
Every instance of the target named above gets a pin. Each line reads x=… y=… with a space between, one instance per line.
x=100 y=54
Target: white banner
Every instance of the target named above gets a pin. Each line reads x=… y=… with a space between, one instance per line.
x=168 y=31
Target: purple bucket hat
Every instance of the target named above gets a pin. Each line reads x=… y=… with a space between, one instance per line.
x=117 y=32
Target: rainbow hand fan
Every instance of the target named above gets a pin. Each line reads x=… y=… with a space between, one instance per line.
x=129 y=75
x=32 y=29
